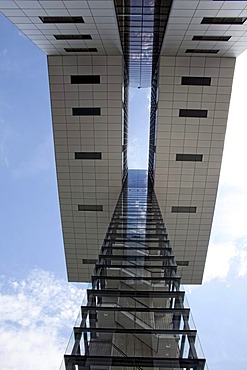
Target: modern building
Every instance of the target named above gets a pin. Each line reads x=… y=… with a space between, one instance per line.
x=135 y=316
x=185 y=52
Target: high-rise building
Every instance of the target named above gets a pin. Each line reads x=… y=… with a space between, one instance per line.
x=185 y=52
x=135 y=316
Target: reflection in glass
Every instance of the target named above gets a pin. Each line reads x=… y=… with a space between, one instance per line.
x=135 y=316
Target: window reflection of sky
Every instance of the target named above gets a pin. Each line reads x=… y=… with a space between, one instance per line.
x=141 y=25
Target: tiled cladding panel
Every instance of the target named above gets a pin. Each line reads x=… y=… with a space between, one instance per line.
x=191 y=183
x=185 y=23
x=86 y=181
x=99 y=22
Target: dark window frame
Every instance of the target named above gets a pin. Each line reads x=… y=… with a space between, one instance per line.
x=85 y=79
x=90 y=208
x=195 y=81
x=88 y=155
x=189 y=157
x=202 y=51
x=223 y=20
x=62 y=19
x=183 y=209
x=182 y=263
x=211 y=38
x=81 y=50
x=193 y=113
x=73 y=37
x=89 y=261
x=89 y=111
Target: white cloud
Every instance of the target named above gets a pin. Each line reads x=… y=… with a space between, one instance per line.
x=225 y=257
x=36 y=316
x=230 y=214
x=228 y=242
x=233 y=173
x=227 y=249
x=134 y=157
x=149 y=100
x=219 y=260
x=243 y=263
x=138 y=128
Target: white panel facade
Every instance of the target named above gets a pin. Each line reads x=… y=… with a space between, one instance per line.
x=99 y=22
x=189 y=183
x=86 y=181
x=185 y=22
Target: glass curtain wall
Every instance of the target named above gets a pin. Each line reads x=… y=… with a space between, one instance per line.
x=135 y=316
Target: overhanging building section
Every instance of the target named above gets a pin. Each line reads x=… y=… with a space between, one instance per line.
x=56 y=26
x=89 y=99
x=192 y=110
x=194 y=26
x=88 y=126
x=87 y=43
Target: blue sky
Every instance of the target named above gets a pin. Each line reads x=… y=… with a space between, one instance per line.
x=37 y=306
x=31 y=213
x=139 y=110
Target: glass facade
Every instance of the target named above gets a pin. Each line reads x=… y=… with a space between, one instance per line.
x=142 y=25
x=135 y=316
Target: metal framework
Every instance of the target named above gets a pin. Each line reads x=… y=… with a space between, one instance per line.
x=135 y=316
x=153 y=125
x=125 y=123
x=142 y=25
